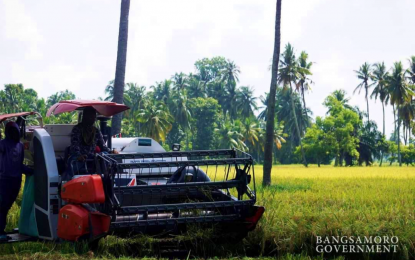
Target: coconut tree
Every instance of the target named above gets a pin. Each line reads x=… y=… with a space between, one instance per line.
x=278 y=138
x=263 y=108
x=3 y=104
x=304 y=72
x=180 y=81
x=217 y=90
x=197 y=88
x=288 y=75
x=135 y=94
x=251 y=131
x=230 y=77
x=230 y=104
x=12 y=97
x=400 y=93
x=269 y=134
x=361 y=113
x=339 y=95
x=411 y=70
x=181 y=113
x=411 y=78
x=121 y=63
x=162 y=91
x=278 y=135
x=230 y=136
x=364 y=74
x=284 y=114
x=379 y=77
x=58 y=96
x=246 y=102
x=29 y=100
x=406 y=113
x=156 y=121
x=109 y=91
x=230 y=74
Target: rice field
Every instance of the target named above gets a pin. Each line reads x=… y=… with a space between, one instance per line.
x=301 y=204
x=327 y=201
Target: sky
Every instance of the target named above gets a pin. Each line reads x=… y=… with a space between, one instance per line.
x=51 y=45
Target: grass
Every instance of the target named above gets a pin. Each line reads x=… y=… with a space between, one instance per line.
x=302 y=203
x=326 y=201
x=91 y=256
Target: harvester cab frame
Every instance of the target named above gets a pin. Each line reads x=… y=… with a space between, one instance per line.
x=143 y=189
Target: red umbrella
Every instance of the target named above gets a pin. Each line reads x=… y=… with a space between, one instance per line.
x=7 y=116
x=104 y=108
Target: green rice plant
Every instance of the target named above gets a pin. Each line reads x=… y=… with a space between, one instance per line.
x=301 y=204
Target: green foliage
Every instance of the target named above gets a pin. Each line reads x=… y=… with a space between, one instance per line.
x=14 y=98
x=64 y=118
x=205 y=111
x=408 y=154
x=343 y=124
x=334 y=136
x=320 y=142
x=156 y=121
x=208 y=110
x=380 y=76
x=400 y=91
x=371 y=143
x=229 y=136
x=210 y=69
x=304 y=71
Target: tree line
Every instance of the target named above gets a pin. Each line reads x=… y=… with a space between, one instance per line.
x=396 y=87
x=208 y=109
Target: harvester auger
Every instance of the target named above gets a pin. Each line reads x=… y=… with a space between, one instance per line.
x=141 y=190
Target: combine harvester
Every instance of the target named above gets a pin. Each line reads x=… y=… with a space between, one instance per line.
x=143 y=189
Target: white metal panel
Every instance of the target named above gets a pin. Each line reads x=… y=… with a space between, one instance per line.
x=52 y=177
x=61 y=137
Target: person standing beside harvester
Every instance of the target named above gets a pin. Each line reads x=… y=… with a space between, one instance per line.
x=11 y=169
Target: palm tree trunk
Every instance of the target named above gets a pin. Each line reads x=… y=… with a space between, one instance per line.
x=394 y=121
x=121 y=63
x=381 y=154
x=381 y=159
x=300 y=127
x=383 y=108
x=367 y=104
x=404 y=133
x=269 y=135
x=296 y=126
x=408 y=136
x=302 y=94
x=399 y=140
x=409 y=133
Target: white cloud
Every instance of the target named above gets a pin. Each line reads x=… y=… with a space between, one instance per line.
x=18 y=25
